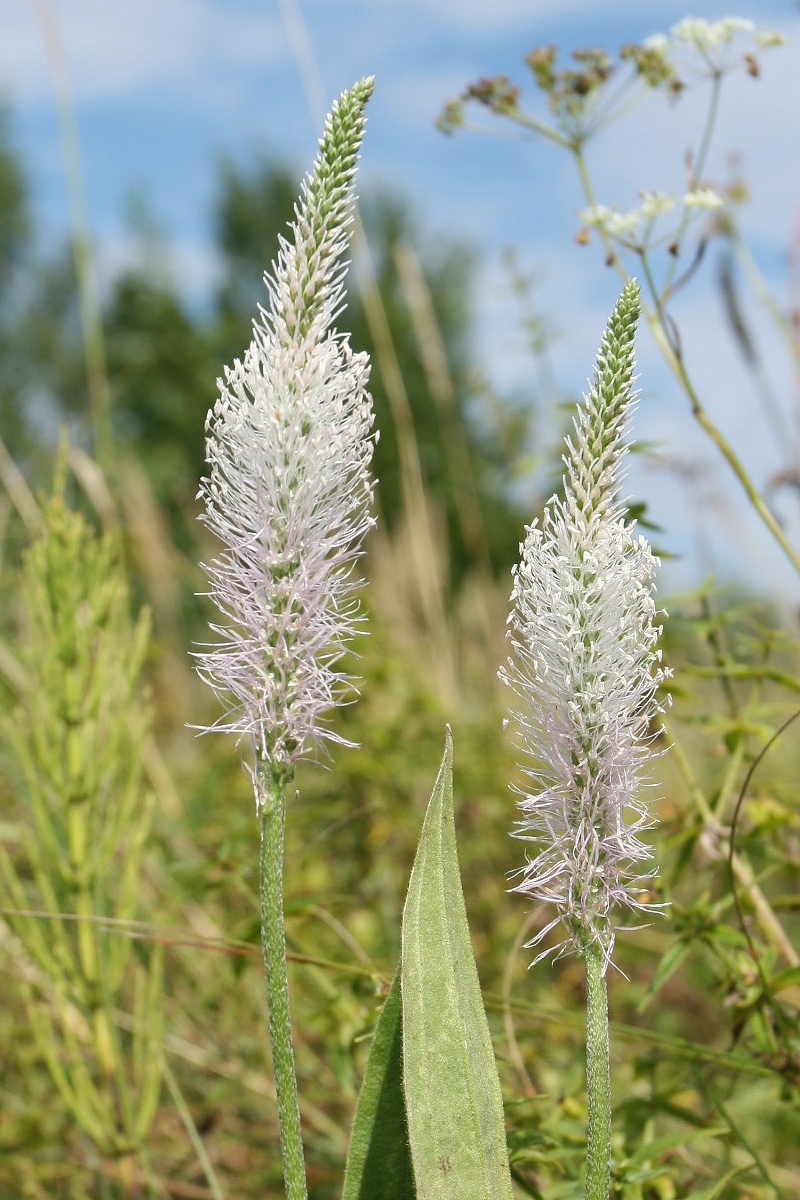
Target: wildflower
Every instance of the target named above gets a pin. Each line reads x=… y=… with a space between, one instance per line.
x=633 y=227
x=707 y=35
x=654 y=204
x=703 y=197
x=585 y=669
x=617 y=224
x=768 y=38
x=289 y=447
x=710 y=40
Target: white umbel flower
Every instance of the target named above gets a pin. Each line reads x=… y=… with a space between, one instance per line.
x=288 y=493
x=585 y=669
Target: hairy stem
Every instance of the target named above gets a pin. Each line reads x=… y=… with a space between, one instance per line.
x=598 y=1078
x=272 y=807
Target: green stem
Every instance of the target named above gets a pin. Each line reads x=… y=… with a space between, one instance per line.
x=272 y=805
x=696 y=171
x=660 y=328
x=88 y=300
x=117 y=1110
x=191 y=1129
x=598 y=1078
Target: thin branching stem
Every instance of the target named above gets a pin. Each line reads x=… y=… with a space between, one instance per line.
x=665 y=340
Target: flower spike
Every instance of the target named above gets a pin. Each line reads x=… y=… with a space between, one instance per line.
x=289 y=490
x=585 y=669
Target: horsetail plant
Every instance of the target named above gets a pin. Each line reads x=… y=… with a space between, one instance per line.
x=71 y=881
x=288 y=495
x=585 y=670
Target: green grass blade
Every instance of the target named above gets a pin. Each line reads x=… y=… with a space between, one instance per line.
x=379 y=1160
x=453 y=1101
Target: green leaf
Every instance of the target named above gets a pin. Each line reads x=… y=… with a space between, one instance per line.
x=379 y=1160
x=786 y=979
x=716 y=1189
x=665 y=969
x=453 y=1101
x=649 y=1151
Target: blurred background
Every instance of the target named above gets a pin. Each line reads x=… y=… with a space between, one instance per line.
x=183 y=116
x=149 y=159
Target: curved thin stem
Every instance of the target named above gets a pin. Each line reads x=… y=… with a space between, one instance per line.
x=191 y=1129
x=697 y=168
x=91 y=323
x=659 y=326
x=675 y=361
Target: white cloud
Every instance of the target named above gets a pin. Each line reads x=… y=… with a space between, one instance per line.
x=115 y=49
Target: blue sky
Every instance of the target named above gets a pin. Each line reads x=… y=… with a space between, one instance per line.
x=163 y=87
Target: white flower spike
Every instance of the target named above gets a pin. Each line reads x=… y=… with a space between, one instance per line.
x=289 y=489
x=585 y=670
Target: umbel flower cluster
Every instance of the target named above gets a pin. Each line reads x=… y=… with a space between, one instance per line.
x=585 y=669
x=289 y=489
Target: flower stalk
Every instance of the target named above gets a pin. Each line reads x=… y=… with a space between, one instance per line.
x=598 y=1078
x=585 y=670
x=273 y=943
x=288 y=495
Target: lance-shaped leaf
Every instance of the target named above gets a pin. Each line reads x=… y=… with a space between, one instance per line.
x=379 y=1161
x=453 y=1102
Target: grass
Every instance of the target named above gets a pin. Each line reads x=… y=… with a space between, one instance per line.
x=699 y=1062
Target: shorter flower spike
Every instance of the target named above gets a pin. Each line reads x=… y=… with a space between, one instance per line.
x=289 y=489
x=585 y=669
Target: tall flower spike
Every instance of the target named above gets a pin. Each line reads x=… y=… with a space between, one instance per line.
x=585 y=669
x=288 y=494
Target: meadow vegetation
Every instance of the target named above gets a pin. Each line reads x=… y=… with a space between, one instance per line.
x=135 y=1048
